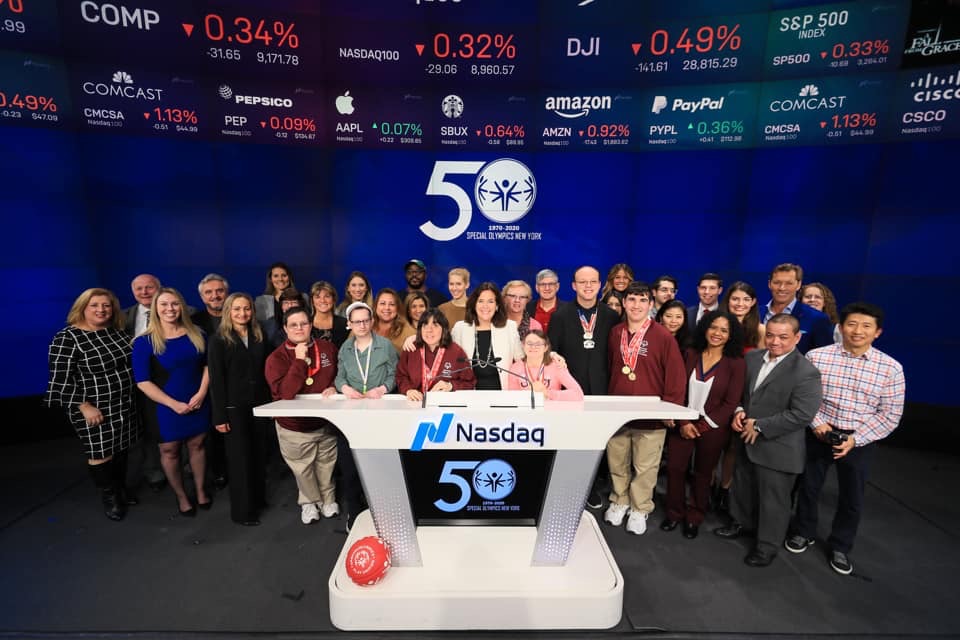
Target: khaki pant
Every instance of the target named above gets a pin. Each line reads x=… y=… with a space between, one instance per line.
x=311 y=456
x=633 y=456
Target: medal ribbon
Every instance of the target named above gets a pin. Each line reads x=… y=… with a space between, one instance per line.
x=588 y=328
x=428 y=376
x=530 y=376
x=631 y=351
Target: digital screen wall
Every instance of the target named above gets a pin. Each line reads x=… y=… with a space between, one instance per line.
x=182 y=137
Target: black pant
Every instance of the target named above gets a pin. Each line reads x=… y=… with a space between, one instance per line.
x=851 y=478
x=348 y=485
x=216 y=449
x=245 y=452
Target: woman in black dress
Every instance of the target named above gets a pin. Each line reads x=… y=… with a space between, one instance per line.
x=92 y=380
x=235 y=359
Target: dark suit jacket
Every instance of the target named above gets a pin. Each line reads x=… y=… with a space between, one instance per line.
x=692 y=318
x=783 y=405
x=130 y=319
x=205 y=321
x=589 y=367
x=236 y=375
x=815 y=325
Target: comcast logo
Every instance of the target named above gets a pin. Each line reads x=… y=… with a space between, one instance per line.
x=225 y=92
x=122 y=77
x=809 y=90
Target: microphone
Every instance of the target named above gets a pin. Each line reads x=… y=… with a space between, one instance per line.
x=492 y=363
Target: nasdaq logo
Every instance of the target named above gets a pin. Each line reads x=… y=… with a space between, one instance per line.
x=432 y=432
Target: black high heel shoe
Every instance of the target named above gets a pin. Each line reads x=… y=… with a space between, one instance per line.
x=189 y=513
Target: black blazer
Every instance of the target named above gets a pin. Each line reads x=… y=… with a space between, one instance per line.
x=236 y=375
x=340 y=331
x=589 y=367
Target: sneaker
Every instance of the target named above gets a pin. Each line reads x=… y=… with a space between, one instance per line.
x=840 y=563
x=309 y=513
x=330 y=510
x=595 y=499
x=797 y=544
x=637 y=523
x=615 y=514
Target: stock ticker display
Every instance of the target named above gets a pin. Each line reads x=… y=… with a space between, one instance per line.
x=553 y=75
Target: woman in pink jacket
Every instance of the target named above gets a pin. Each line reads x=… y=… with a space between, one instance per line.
x=552 y=379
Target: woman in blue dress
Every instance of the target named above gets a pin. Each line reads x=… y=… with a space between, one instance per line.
x=170 y=367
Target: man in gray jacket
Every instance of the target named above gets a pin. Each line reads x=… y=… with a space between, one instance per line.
x=780 y=398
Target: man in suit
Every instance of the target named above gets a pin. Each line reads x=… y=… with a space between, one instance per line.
x=579 y=331
x=785 y=281
x=780 y=399
x=145 y=456
x=709 y=288
x=213 y=290
x=144 y=287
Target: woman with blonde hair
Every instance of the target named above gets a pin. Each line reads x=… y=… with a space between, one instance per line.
x=236 y=357
x=357 y=289
x=91 y=380
x=170 y=367
x=458 y=282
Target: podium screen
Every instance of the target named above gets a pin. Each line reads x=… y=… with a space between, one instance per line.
x=476 y=487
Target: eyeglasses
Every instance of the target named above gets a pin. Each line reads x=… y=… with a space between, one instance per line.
x=667 y=289
x=584 y=283
x=298 y=325
x=535 y=345
x=512 y=296
x=548 y=285
x=415 y=270
x=360 y=323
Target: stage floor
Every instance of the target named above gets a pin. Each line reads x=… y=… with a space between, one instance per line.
x=69 y=572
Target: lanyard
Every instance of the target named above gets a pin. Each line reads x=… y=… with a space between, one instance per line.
x=428 y=376
x=364 y=373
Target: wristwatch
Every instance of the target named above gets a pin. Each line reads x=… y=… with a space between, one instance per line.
x=756 y=426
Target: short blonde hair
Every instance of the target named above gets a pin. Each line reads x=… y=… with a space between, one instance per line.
x=517 y=283
x=462 y=273
x=75 y=315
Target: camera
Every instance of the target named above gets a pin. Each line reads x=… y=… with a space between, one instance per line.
x=836 y=438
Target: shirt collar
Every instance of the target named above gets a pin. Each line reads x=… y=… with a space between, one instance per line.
x=786 y=309
x=776 y=360
x=866 y=355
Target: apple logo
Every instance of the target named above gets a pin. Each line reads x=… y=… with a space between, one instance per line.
x=345 y=104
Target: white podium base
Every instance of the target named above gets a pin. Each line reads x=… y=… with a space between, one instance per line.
x=481 y=578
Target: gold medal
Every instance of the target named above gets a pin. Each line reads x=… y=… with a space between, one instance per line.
x=625 y=370
x=632 y=376
x=309 y=381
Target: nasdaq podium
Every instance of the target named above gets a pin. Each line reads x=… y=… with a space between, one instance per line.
x=480 y=498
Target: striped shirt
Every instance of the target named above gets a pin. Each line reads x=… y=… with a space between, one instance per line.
x=863 y=394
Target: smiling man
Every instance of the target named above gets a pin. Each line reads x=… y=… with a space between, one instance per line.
x=213 y=290
x=709 y=288
x=863 y=392
x=815 y=328
x=781 y=396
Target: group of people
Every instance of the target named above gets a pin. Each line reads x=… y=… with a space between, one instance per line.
x=782 y=391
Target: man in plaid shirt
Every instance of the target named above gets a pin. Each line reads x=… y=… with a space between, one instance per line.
x=863 y=391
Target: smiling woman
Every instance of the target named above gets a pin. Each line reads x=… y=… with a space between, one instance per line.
x=91 y=380
x=487 y=336
x=170 y=367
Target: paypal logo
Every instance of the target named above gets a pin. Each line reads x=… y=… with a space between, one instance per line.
x=432 y=432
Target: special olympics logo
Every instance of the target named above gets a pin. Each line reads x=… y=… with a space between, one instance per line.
x=505 y=190
x=494 y=479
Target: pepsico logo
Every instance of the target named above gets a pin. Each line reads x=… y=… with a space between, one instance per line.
x=368 y=561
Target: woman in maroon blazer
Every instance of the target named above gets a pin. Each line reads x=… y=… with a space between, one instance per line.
x=435 y=359
x=715 y=373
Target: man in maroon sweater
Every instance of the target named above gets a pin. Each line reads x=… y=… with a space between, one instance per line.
x=644 y=361
x=308 y=445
